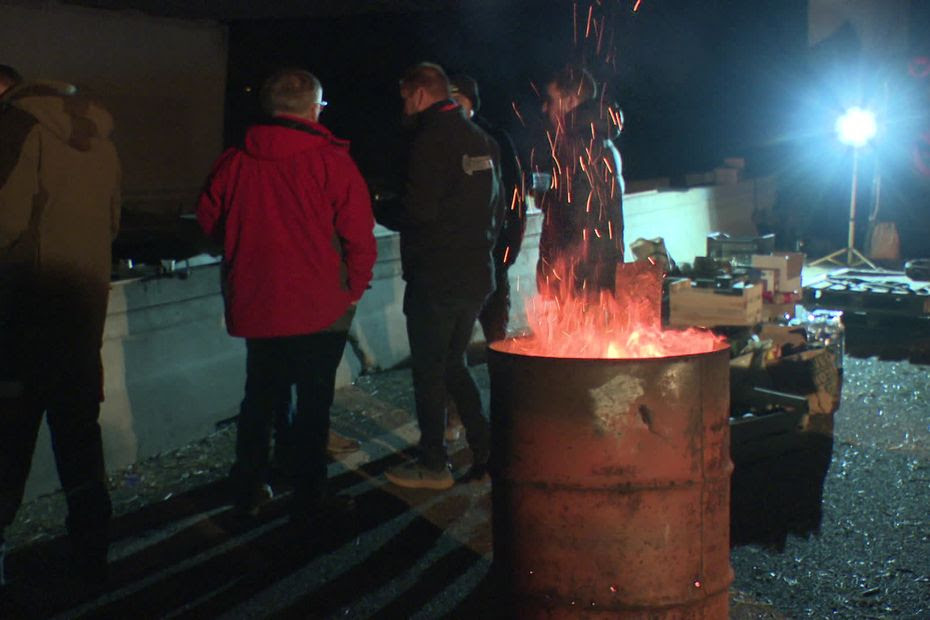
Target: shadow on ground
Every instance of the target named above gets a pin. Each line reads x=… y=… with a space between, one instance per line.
x=206 y=561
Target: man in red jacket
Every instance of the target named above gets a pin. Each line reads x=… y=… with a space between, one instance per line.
x=294 y=217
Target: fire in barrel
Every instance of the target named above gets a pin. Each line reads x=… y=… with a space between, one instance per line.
x=611 y=482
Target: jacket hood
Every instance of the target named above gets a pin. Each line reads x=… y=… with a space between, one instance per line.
x=74 y=118
x=283 y=137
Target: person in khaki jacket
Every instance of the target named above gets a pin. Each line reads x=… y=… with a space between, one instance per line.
x=59 y=212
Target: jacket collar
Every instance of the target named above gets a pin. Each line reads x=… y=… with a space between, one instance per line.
x=300 y=124
x=439 y=109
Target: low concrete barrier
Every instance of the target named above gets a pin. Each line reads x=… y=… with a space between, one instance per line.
x=172 y=373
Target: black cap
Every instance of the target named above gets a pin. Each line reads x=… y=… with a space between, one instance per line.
x=467 y=87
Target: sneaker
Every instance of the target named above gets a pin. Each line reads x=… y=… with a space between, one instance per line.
x=414 y=475
x=337 y=444
x=249 y=505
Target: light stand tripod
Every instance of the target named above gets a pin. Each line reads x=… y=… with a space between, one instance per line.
x=853 y=256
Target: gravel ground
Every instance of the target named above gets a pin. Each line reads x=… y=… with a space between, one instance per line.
x=869 y=557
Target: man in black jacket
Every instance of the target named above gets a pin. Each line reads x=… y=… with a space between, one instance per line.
x=581 y=241
x=495 y=313
x=448 y=226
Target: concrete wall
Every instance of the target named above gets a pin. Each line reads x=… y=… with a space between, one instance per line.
x=164 y=81
x=172 y=373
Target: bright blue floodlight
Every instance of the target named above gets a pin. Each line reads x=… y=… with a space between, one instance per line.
x=856 y=127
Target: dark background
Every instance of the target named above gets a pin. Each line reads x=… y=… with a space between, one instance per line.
x=697 y=82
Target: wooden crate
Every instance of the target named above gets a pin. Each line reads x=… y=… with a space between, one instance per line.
x=689 y=305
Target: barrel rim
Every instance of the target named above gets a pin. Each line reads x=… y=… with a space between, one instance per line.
x=494 y=347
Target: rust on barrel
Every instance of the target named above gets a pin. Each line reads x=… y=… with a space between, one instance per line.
x=611 y=484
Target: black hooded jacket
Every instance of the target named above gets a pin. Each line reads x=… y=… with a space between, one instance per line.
x=513 y=226
x=584 y=212
x=451 y=212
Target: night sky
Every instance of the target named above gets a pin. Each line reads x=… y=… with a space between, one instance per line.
x=690 y=77
x=697 y=81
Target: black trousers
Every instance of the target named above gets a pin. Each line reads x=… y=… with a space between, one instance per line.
x=72 y=412
x=496 y=311
x=273 y=365
x=52 y=326
x=439 y=330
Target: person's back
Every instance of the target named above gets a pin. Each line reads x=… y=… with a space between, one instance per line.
x=448 y=226
x=284 y=228
x=582 y=230
x=76 y=178
x=495 y=314
x=294 y=217
x=454 y=202
x=59 y=212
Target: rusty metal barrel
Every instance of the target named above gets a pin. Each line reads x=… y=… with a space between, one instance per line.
x=611 y=485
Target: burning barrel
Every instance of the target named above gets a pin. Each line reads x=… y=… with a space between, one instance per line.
x=611 y=484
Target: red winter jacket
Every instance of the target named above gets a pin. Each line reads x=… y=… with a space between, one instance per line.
x=294 y=217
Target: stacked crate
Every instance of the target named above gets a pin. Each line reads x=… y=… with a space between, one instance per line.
x=691 y=305
x=781 y=274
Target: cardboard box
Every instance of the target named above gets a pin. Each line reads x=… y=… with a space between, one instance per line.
x=791 y=285
x=788 y=265
x=780 y=305
x=689 y=305
x=726 y=176
x=770 y=279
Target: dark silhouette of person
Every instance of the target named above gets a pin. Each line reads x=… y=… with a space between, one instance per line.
x=448 y=225
x=59 y=212
x=293 y=215
x=495 y=314
x=581 y=241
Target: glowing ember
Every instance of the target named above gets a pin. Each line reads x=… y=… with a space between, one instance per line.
x=567 y=322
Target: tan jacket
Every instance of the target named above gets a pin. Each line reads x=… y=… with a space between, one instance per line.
x=59 y=212
x=59 y=182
